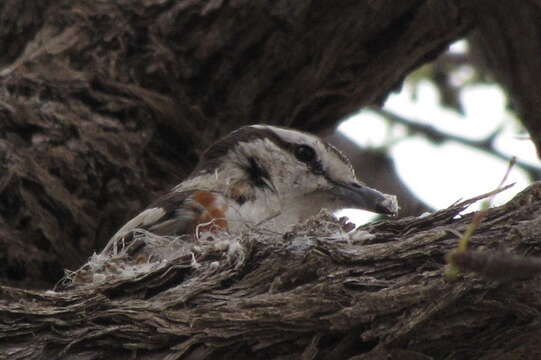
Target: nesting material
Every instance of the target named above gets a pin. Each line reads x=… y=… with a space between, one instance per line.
x=144 y=252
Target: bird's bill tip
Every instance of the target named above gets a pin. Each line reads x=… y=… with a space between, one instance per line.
x=388 y=206
x=366 y=198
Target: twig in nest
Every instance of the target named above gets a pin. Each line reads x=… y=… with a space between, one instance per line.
x=462 y=248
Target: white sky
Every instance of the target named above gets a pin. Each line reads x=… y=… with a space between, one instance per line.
x=442 y=174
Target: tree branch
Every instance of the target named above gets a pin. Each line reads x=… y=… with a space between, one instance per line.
x=315 y=290
x=432 y=133
x=507 y=48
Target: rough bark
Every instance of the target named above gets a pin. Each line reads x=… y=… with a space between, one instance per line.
x=105 y=103
x=313 y=293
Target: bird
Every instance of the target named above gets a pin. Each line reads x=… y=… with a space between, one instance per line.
x=258 y=175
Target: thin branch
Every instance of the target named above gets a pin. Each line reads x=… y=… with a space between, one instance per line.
x=486 y=145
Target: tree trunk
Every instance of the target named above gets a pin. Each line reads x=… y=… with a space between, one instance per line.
x=313 y=293
x=506 y=42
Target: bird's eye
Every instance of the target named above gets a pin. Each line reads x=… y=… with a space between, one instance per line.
x=305 y=153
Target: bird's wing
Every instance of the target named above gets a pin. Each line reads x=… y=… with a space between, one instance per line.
x=171 y=214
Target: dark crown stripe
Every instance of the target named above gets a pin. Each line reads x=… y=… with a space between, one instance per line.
x=212 y=157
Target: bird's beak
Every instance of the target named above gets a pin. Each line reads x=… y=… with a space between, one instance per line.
x=363 y=197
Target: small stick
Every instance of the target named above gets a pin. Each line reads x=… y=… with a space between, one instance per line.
x=462 y=247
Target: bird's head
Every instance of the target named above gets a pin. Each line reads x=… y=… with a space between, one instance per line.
x=302 y=170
